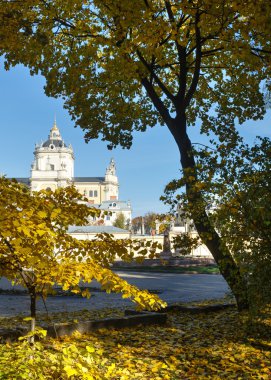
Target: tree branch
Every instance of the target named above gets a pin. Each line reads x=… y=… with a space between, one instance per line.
x=181 y=56
x=155 y=77
x=169 y=11
x=211 y=52
x=159 y=105
x=19 y=266
x=195 y=79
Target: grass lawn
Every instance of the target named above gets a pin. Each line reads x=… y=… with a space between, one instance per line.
x=201 y=269
x=216 y=345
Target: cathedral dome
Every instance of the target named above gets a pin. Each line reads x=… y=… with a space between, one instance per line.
x=54 y=139
x=54 y=143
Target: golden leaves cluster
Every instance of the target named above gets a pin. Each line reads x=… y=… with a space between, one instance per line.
x=96 y=53
x=191 y=346
x=37 y=251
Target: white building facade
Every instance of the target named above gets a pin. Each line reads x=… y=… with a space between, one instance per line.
x=53 y=168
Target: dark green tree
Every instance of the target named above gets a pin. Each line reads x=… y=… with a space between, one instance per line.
x=237 y=189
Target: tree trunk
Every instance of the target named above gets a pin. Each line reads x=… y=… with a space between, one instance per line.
x=33 y=299
x=227 y=266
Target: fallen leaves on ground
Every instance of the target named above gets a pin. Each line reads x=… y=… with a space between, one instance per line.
x=65 y=316
x=214 y=345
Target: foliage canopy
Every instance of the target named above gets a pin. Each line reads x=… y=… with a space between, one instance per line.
x=122 y=66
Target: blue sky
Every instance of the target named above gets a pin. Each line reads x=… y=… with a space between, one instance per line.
x=27 y=116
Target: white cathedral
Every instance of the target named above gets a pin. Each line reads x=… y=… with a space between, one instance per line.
x=53 y=167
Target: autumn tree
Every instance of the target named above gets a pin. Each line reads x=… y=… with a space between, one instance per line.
x=136 y=224
x=122 y=66
x=145 y=224
x=148 y=221
x=37 y=252
x=120 y=221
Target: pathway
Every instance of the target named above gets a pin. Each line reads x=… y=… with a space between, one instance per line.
x=171 y=288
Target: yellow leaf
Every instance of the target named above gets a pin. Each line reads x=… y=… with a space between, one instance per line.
x=70 y=371
x=42 y=214
x=90 y=349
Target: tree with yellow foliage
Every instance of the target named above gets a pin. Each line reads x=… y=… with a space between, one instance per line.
x=37 y=252
x=124 y=65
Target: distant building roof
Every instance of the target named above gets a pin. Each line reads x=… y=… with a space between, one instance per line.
x=115 y=204
x=96 y=229
x=26 y=181
x=88 y=179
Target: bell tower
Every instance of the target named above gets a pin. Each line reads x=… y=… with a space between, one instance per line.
x=111 y=182
x=53 y=165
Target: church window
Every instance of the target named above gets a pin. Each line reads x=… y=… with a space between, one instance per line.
x=114 y=204
x=52 y=146
x=91 y=193
x=95 y=193
x=52 y=167
x=107 y=217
